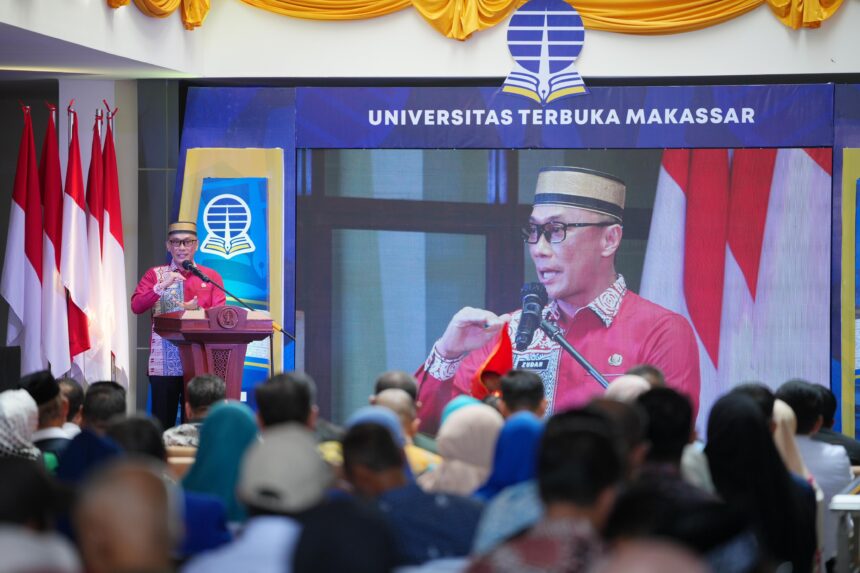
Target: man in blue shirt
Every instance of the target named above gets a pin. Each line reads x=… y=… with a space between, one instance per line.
x=426 y=526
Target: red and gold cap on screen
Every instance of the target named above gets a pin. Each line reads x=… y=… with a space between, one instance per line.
x=182 y=227
x=581 y=188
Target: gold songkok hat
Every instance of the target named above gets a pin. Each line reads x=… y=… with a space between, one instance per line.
x=582 y=188
x=182 y=227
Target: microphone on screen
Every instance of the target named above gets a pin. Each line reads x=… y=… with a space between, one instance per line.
x=534 y=299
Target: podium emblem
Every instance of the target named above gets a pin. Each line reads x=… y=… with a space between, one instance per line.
x=228 y=317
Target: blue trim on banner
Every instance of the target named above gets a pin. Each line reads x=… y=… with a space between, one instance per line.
x=609 y=117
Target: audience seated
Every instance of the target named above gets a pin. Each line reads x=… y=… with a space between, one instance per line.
x=830 y=436
x=751 y=478
x=399 y=380
x=127 y=519
x=402 y=404
x=227 y=432
x=515 y=456
x=651 y=556
x=281 y=475
x=580 y=467
x=74 y=393
x=204 y=516
x=291 y=397
x=466 y=442
x=425 y=526
x=50 y=437
x=30 y=501
x=522 y=390
x=828 y=463
x=19 y=417
x=103 y=402
x=627 y=388
x=652 y=374
x=202 y=392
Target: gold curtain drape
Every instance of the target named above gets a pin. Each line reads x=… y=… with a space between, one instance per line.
x=459 y=19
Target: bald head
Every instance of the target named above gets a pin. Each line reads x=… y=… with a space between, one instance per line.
x=397 y=379
x=402 y=404
x=627 y=388
x=650 y=556
x=126 y=519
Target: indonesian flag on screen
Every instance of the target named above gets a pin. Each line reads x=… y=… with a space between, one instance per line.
x=113 y=261
x=740 y=245
x=55 y=324
x=96 y=363
x=74 y=266
x=21 y=284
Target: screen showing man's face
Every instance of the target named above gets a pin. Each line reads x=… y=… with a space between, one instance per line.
x=571 y=270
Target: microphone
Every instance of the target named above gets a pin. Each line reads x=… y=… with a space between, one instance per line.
x=189 y=266
x=534 y=299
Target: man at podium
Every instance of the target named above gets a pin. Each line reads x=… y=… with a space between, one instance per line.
x=169 y=288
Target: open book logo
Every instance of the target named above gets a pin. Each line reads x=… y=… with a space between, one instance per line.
x=545 y=38
x=227 y=219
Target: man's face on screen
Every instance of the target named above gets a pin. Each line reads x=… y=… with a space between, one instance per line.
x=182 y=247
x=573 y=270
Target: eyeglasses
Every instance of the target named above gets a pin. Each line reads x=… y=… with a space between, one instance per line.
x=555 y=231
x=184 y=242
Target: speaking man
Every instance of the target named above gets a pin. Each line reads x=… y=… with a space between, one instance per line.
x=169 y=288
x=573 y=234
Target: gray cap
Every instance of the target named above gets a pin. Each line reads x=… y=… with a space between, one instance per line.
x=284 y=472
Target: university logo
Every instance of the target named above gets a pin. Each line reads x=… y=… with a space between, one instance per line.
x=227 y=219
x=545 y=38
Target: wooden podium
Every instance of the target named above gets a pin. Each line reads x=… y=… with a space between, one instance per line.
x=214 y=340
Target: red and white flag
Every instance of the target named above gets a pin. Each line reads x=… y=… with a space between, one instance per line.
x=21 y=284
x=74 y=266
x=55 y=324
x=96 y=361
x=113 y=261
x=739 y=244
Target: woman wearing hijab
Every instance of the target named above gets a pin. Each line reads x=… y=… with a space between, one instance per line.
x=229 y=429
x=466 y=442
x=19 y=418
x=515 y=456
x=751 y=477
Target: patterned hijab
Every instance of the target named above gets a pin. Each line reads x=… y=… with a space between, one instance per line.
x=466 y=442
x=228 y=431
x=19 y=418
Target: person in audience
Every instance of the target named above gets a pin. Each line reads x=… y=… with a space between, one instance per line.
x=784 y=435
x=627 y=388
x=281 y=475
x=466 y=442
x=395 y=379
x=291 y=397
x=19 y=417
x=460 y=401
x=53 y=407
x=203 y=392
x=515 y=456
x=651 y=556
x=402 y=404
x=426 y=526
x=286 y=397
x=631 y=424
x=522 y=390
x=750 y=477
x=670 y=430
x=399 y=380
x=204 y=516
x=763 y=397
x=30 y=501
x=580 y=466
x=103 y=402
x=830 y=436
x=828 y=463
x=227 y=432
x=652 y=374
x=127 y=520
x=74 y=394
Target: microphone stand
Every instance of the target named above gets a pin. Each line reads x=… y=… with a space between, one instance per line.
x=554 y=332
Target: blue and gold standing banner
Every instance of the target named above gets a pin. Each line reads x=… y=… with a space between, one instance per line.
x=232 y=222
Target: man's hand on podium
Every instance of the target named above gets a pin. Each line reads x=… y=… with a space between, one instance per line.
x=191 y=304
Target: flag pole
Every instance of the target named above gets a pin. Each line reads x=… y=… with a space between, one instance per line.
x=70 y=112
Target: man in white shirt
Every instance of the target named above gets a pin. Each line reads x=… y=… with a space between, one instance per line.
x=828 y=463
